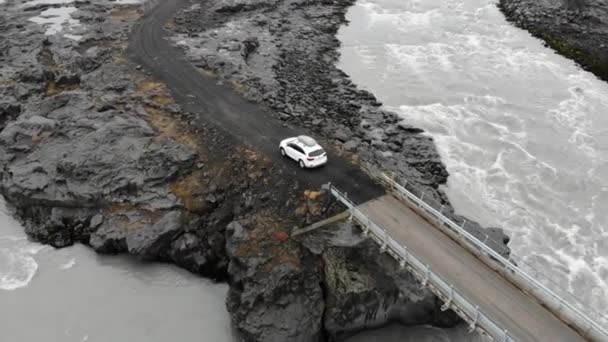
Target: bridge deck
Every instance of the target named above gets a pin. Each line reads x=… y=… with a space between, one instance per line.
x=522 y=316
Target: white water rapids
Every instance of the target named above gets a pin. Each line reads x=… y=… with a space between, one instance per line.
x=523 y=131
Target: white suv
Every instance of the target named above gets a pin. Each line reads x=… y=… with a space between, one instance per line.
x=305 y=150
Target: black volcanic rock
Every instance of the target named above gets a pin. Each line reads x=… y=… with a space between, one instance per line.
x=274 y=295
x=293 y=71
x=577 y=29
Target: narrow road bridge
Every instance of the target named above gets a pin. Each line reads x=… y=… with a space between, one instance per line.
x=491 y=293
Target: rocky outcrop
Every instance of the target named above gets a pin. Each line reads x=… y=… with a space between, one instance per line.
x=275 y=292
x=288 y=63
x=93 y=151
x=577 y=29
x=366 y=289
x=331 y=284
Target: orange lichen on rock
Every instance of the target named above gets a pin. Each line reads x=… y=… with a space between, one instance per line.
x=190 y=190
x=169 y=127
x=266 y=238
x=281 y=236
x=312 y=195
x=125 y=13
x=157 y=91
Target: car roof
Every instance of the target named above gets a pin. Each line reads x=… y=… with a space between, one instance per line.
x=307 y=143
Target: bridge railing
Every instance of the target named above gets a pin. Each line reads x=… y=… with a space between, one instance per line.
x=451 y=296
x=590 y=323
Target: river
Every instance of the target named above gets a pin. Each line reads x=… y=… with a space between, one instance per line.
x=74 y=295
x=523 y=131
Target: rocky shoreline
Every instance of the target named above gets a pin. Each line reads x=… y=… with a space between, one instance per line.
x=289 y=66
x=576 y=29
x=95 y=151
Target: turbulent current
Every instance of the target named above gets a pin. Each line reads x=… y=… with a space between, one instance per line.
x=523 y=131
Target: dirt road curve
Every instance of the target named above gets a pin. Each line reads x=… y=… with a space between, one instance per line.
x=226 y=109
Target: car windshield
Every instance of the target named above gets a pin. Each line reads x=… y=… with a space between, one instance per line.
x=316 y=153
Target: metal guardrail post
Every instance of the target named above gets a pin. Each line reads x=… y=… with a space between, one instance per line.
x=384 y=241
x=447 y=304
x=473 y=324
x=427 y=276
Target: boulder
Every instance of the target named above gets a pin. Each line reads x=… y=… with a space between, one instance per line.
x=148 y=242
x=273 y=296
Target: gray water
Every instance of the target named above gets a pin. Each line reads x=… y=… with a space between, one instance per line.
x=75 y=295
x=522 y=130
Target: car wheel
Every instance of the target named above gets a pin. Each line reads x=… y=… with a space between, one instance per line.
x=283 y=152
x=302 y=166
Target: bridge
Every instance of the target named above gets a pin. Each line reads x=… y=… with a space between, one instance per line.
x=493 y=294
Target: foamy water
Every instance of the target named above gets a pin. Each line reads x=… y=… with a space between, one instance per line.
x=523 y=131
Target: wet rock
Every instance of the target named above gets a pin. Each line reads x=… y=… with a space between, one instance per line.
x=96 y=221
x=232 y=46
x=250 y=45
x=8 y=112
x=272 y=297
x=109 y=239
x=342 y=134
x=366 y=289
x=408 y=128
x=148 y=241
x=350 y=146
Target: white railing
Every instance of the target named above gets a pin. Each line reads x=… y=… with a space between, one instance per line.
x=565 y=305
x=443 y=289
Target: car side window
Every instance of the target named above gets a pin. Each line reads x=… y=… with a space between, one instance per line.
x=299 y=149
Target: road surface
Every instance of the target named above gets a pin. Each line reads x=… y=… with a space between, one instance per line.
x=513 y=310
x=228 y=110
